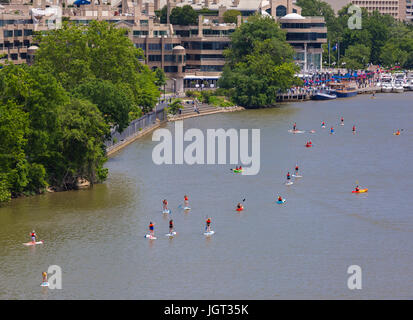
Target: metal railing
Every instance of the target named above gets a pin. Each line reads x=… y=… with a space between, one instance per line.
x=135 y=127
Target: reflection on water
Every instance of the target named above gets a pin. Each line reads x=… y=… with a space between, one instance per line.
x=298 y=250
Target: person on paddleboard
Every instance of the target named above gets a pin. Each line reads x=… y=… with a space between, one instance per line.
x=342 y=120
x=296 y=169
x=33 y=235
x=44 y=277
x=332 y=130
x=171 y=226
x=354 y=129
x=208 y=224
x=239 y=206
x=280 y=198
x=295 y=126
x=288 y=176
x=151 y=228
x=323 y=124
x=165 y=204
x=186 y=200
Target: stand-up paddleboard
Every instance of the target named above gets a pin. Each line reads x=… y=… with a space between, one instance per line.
x=31 y=243
x=296 y=176
x=312 y=131
x=166 y=211
x=209 y=233
x=148 y=236
x=187 y=208
x=323 y=127
x=280 y=202
x=341 y=124
x=171 y=234
x=289 y=183
x=296 y=131
x=44 y=284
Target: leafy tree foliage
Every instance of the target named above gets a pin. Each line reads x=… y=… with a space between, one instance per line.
x=231 y=16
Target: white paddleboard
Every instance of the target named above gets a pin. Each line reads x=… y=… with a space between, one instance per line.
x=166 y=211
x=297 y=176
x=31 y=243
x=323 y=127
x=209 y=233
x=148 y=236
x=171 y=234
x=187 y=208
x=296 y=131
x=44 y=284
x=289 y=183
x=280 y=202
x=341 y=124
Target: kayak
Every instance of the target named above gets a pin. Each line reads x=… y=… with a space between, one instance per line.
x=280 y=202
x=396 y=133
x=31 y=243
x=360 y=191
x=308 y=145
x=239 y=209
x=237 y=171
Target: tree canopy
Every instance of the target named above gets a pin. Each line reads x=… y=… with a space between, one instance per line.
x=259 y=63
x=231 y=16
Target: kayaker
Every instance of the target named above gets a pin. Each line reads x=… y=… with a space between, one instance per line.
x=151 y=229
x=357 y=188
x=171 y=226
x=398 y=132
x=33 y=235
x=239 y=206
x=208 y=224
x=165 y=204
x=186 y=200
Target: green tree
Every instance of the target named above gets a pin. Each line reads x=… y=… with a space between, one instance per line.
x=357 y=56
x=115 y=101
x=231 y=16
x=259 y=63
x=175 y=106
x=184 y=16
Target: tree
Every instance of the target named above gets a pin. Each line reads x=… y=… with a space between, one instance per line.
x=259 y=63
x=76 y=54
x=231 y=16
x=160 y=78
x=115 y=101
x=175 y=106
x=357 y=56
x=184 y=16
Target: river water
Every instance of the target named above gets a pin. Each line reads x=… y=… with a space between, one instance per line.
x=301 y=249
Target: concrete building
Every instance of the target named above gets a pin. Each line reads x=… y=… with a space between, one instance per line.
x=189 y=55
x=395 y=8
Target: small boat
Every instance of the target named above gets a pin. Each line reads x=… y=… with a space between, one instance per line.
x=323 y=95
x=387 y=88
x=398 y=87
x=344 y=89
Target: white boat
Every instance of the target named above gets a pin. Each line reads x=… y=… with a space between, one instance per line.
x=398 y=87
x=386 y=83
x=409 y=82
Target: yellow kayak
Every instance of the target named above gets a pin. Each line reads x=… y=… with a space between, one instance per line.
x=360 y=191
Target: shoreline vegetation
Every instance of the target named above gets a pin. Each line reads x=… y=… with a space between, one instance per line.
x=56 y=114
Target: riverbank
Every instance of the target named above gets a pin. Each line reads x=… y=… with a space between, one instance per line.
x=204 y=110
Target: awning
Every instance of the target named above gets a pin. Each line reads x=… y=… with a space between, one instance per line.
x=201 y=78
x=81 y=2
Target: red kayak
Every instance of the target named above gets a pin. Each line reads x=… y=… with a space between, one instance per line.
x=239 y=209
x=308 y=145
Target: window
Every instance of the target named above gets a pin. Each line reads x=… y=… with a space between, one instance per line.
x=28 y=32
x=155 y=46
x=153 y=57
x=168 y=46
x=170 y=69
x=140 y=46
x=280 y=11
x=140 y=33
x=18 y=33
x=8 y=33
x=169 y=58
